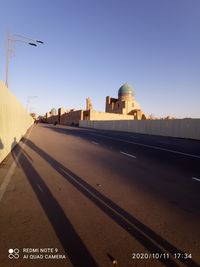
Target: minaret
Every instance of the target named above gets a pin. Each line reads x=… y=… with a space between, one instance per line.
x=88 y=104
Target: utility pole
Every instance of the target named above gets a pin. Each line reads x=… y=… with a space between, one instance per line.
x=29 y=98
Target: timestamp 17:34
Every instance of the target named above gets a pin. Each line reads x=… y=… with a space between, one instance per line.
x=145 y=256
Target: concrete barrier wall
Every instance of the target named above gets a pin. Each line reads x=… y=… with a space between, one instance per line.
x=14 y=121
x=183 y=128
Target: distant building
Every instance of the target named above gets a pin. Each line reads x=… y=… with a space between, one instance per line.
x=125 y=103
x=124 y=107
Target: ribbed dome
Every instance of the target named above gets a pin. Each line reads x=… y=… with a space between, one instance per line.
x=125 y=89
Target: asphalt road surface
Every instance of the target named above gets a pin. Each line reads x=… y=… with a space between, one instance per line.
x=87 y=198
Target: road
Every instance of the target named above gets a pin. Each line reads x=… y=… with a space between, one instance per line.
x=98 y=197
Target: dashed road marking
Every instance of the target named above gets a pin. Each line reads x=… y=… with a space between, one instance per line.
x=40 y=188
x=95 y=143
x=197 y=179
x=149 y=146
x=132 y=156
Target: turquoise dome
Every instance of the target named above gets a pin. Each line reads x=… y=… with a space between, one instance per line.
x=53 y=111
x=125 y=89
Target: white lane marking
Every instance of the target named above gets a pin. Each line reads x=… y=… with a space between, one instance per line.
x=150 y=146
x=40 y=188
x=128 y=154
x=11 y=170
x=197 y=179
x=95 y=143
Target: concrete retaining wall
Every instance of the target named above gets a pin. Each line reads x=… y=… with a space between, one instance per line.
x=14 y=121
x=183 y=128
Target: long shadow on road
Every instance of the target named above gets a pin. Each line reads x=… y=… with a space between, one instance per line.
x=71 y=242
x=147 y=237
x=150 y=166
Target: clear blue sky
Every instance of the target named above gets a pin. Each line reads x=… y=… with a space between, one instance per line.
x=93 y=47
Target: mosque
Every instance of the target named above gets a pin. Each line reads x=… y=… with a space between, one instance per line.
x=125 y=103
x=124 y=107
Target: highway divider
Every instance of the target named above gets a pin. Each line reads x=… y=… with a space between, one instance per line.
x=181 y=128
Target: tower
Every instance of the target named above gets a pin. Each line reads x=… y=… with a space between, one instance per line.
x=88 y=104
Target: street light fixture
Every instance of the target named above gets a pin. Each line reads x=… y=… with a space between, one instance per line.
x=32 y=44
x=39 y=42
x=9 y=43
x=28 y=38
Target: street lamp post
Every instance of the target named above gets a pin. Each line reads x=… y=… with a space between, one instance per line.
x=9 y=47
x=29 y=98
